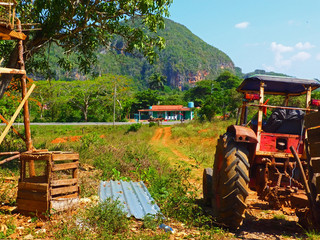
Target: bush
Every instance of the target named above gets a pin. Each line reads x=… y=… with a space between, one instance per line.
x=152 y=124
x=134 y=127
x=108 y=217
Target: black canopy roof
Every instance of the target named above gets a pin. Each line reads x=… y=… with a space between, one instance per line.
x=277 y=85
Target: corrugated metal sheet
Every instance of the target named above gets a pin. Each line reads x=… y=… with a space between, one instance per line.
x=134 y=197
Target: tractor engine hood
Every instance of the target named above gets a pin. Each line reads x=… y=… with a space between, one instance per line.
x=243 y=134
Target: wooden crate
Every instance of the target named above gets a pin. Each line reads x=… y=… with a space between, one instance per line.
x=48 y=182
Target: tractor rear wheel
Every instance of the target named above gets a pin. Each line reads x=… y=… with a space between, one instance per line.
x=230 y=181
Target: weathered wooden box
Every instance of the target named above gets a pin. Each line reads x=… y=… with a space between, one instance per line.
x=48 y=182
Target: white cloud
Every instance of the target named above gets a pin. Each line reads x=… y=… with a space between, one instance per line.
x=279 y=48
x=280 y=62
x=304 y=46
x=286 y=56
x=242 y=25
x=318 y=57
x=301 y=56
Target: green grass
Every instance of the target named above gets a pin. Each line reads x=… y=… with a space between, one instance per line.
x=198 y=140
x=122 y=152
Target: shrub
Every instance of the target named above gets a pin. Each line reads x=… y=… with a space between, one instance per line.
x=134 y=127
x=151 y=221
x=108 y=217
x=152 y=124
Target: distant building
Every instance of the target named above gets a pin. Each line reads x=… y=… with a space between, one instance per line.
x=168 y=112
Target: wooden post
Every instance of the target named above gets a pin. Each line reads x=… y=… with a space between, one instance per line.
x=308 y=98
x=24 y=92
x=243 y=110
x=26 y=116
x=260 y=114
x=22 y=170
x=286 y=101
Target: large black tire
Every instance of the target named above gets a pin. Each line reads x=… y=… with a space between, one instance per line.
x=207 y=186
x=230 y=182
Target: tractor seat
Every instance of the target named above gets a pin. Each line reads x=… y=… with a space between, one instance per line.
x=288 y=121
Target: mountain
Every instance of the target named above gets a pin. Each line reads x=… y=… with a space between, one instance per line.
x=260 y=71
x=185 y=60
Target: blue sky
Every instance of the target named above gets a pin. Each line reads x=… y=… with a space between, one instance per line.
x=274 y=35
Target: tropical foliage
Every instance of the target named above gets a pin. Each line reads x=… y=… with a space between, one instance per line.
x=184 y=57
x=98 y=99
x=82 y=26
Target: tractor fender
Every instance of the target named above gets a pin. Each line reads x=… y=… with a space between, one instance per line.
x=243 y=134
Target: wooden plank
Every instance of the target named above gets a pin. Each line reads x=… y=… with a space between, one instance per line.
x=32 y=205
x=9 y=159
x=62 y=182
x=314 y=135
x=280 y=107
x=8 y=153
x=73 y=195
x=64 y=166
x=63 y=190
x=312 y=120
x=276 y=154
x=314 y=149
x=12 y=71
x=4 y=133
x=39 y=187
x=10 y=34
x=62 y=156
x=37 y=179
x=36 y=157
x=7 y=4
x=315 y=165
x=29 y=195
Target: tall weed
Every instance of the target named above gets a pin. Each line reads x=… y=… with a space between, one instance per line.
x=107 y=217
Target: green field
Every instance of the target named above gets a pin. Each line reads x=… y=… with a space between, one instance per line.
x=169 y=160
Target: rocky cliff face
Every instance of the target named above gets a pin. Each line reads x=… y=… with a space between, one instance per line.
x=188 y=79
x=187 y=59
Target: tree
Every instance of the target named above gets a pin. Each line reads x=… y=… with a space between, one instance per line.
x=81 y=26
x=82 y=94
x=157 y=81
x=223 y=96
x=146 y=98
x=200 y=92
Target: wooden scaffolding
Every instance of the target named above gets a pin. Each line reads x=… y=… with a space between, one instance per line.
x=48 y=180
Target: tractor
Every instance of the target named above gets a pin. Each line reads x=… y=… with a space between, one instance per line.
x=276 y=156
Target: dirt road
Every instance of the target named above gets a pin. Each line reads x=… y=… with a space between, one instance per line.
x=162 y=137
x=260 y=222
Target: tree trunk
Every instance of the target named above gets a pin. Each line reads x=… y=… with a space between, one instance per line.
x=5 y=79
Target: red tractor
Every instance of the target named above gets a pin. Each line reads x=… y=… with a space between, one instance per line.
x=278 y=158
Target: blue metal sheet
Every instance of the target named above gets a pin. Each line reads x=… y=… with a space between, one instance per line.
x=134 y=196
